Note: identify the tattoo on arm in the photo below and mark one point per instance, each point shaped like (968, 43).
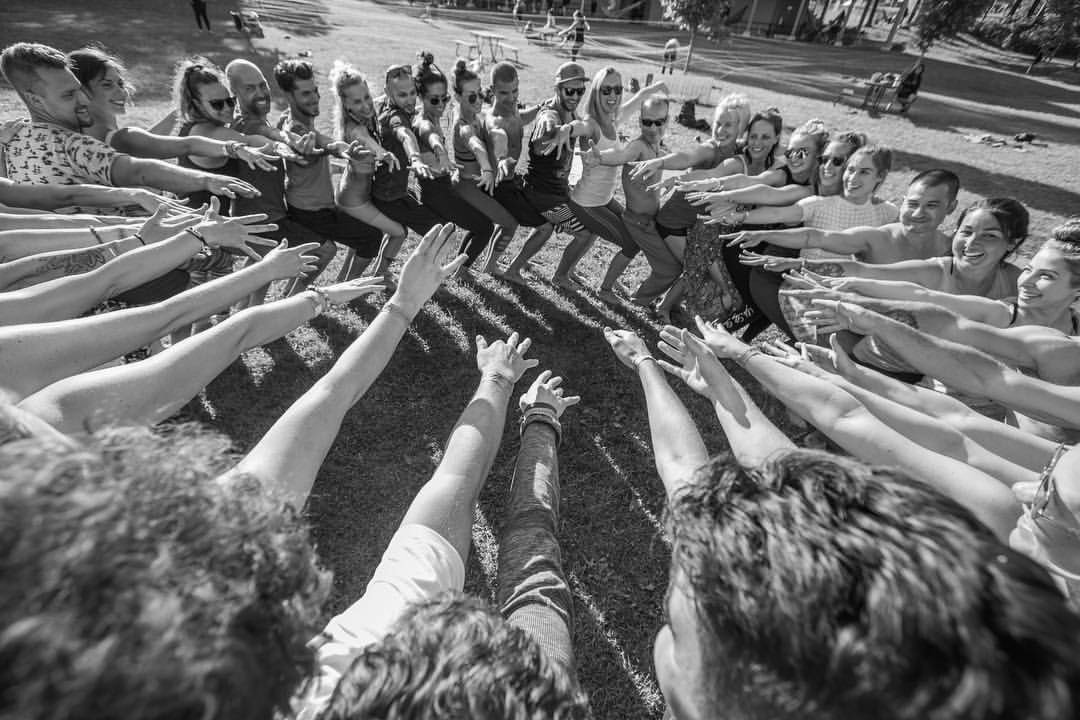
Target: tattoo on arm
(73, 264)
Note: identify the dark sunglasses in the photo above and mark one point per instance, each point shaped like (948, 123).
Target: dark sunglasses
(472, 97)
(437, 100)
(653, 123)
(574, 92)
(796, 153)
(609, 89)
(220, 103)
(834, 160)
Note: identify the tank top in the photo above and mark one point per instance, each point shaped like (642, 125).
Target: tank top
(597, 184)
(548, 173)
(202, 197)
(366, 165)
(464, 157)
(1002, 287)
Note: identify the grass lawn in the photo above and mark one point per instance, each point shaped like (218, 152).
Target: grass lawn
(613, 546)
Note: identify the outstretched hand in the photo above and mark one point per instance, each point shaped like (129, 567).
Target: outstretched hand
(151, 201)
(772, 263)
(628, 347)
(164, 224)
(545, 389)
(697, 366)
(644, 169)
(236, 233)
(434, 259)
(289, 262)
(799, 359)
(504, 358)
(720, 341)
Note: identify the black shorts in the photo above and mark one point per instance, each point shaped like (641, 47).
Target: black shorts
(511, 195)
(670, 55)
(341, 227)
(408, 212)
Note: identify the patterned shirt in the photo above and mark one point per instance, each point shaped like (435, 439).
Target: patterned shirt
(44, 153)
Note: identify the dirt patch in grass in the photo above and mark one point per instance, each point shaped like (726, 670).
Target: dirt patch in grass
(614, 550)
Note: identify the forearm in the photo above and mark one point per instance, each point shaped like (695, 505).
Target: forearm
(62, 263)
(289, 455)
(480, 151)
(16, 244)
(793, 238)
(53, 197)
(752, 436)
(767, 215)
(677, 445)
(408, 140)
(766, 195)
(140, 172)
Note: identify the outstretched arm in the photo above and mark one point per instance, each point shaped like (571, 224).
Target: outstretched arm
(39, 354)
(677, 445)
(148, 391)
(962, 367)
(752, 436)
(447, 502)
(849, 424)
(139, 172)
(633, 103)
(289, 455)
(53, 197)
(854, 241)
(755, 194)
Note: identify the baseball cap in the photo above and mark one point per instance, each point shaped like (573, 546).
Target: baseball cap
(569, 72)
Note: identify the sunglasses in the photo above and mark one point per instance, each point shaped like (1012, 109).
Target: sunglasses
(574, 92)
(220, 103)
(834, 160)
(796, 153)
(472, 97)
(437, 100)
(1046, 490)
(609, 89)
(645, 122)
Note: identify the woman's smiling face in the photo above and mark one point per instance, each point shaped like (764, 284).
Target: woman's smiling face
(761, 139)
(108, 95)
(979, 242)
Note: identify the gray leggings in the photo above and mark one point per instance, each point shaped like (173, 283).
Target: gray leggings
(606, 221)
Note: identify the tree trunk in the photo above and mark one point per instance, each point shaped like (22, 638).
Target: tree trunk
(750, 19)
(798, 20)
(1012, 10)
(824, 10)
(865, 12)
(690, 49)
(896, 23)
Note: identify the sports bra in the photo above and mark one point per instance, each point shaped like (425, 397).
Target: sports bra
(597, 184)
(1015, 310)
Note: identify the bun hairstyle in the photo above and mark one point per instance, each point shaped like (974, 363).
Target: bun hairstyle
(816, 131)
(191, 74)
(1011, 216)
(342, 77)
(462, 74)
(426, 73)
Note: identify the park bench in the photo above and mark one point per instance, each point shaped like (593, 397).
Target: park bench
(691, 87)
(471, 46)
(505, 48)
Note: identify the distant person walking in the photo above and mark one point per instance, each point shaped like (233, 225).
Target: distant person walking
(576, 33)
(199, 6)
(671, 52)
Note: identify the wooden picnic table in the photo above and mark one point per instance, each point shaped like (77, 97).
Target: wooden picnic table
(875, 92)
(492, 40)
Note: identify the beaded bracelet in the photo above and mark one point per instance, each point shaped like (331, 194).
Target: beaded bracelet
(198, 236)
(640, 359)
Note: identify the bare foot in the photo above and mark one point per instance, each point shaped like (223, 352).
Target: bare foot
(609, 296)
(511, 277)
(566, 283)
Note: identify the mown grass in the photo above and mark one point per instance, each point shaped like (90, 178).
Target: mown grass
(614, 551)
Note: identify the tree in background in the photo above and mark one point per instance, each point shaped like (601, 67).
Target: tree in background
(946, 18)
(708, 17)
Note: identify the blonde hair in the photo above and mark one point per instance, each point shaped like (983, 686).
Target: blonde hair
(342, 77)
(738, 105)
(813, 130)
(592, 107)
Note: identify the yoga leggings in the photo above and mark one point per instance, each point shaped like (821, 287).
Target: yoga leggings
(606, 221)
(439, 195)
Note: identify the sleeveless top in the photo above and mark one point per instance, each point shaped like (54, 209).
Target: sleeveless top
(365, 166)
(230, 168)
(597, 184)
(464, 157)
(548, 173)
(1002, 287)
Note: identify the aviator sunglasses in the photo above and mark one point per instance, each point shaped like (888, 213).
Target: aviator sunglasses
(834, 160)
(645, 122)
(574, 92)
(220, 103)
(796, 153)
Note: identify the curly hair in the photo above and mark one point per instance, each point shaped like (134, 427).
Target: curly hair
(139, 585)
(827, 589)
(455, 657)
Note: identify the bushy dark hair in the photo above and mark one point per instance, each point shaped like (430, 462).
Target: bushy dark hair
(451, 658)
(1011, 216)
(19, 64)
(426, 73)
(826, 589)
(287, 72)
(138, 585)
(1065, 238)
(936, 178)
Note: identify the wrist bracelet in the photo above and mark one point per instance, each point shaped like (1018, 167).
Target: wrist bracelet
(96, 234)
(640, 359)
(232, 149)
(198, 236)
(322, 300)
(139, 237)
(540, 404)
(549, 420)
(392, 309)
(746, 354)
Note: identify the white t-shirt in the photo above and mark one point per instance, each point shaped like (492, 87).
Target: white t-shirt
(834, 213)
(418, 565)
